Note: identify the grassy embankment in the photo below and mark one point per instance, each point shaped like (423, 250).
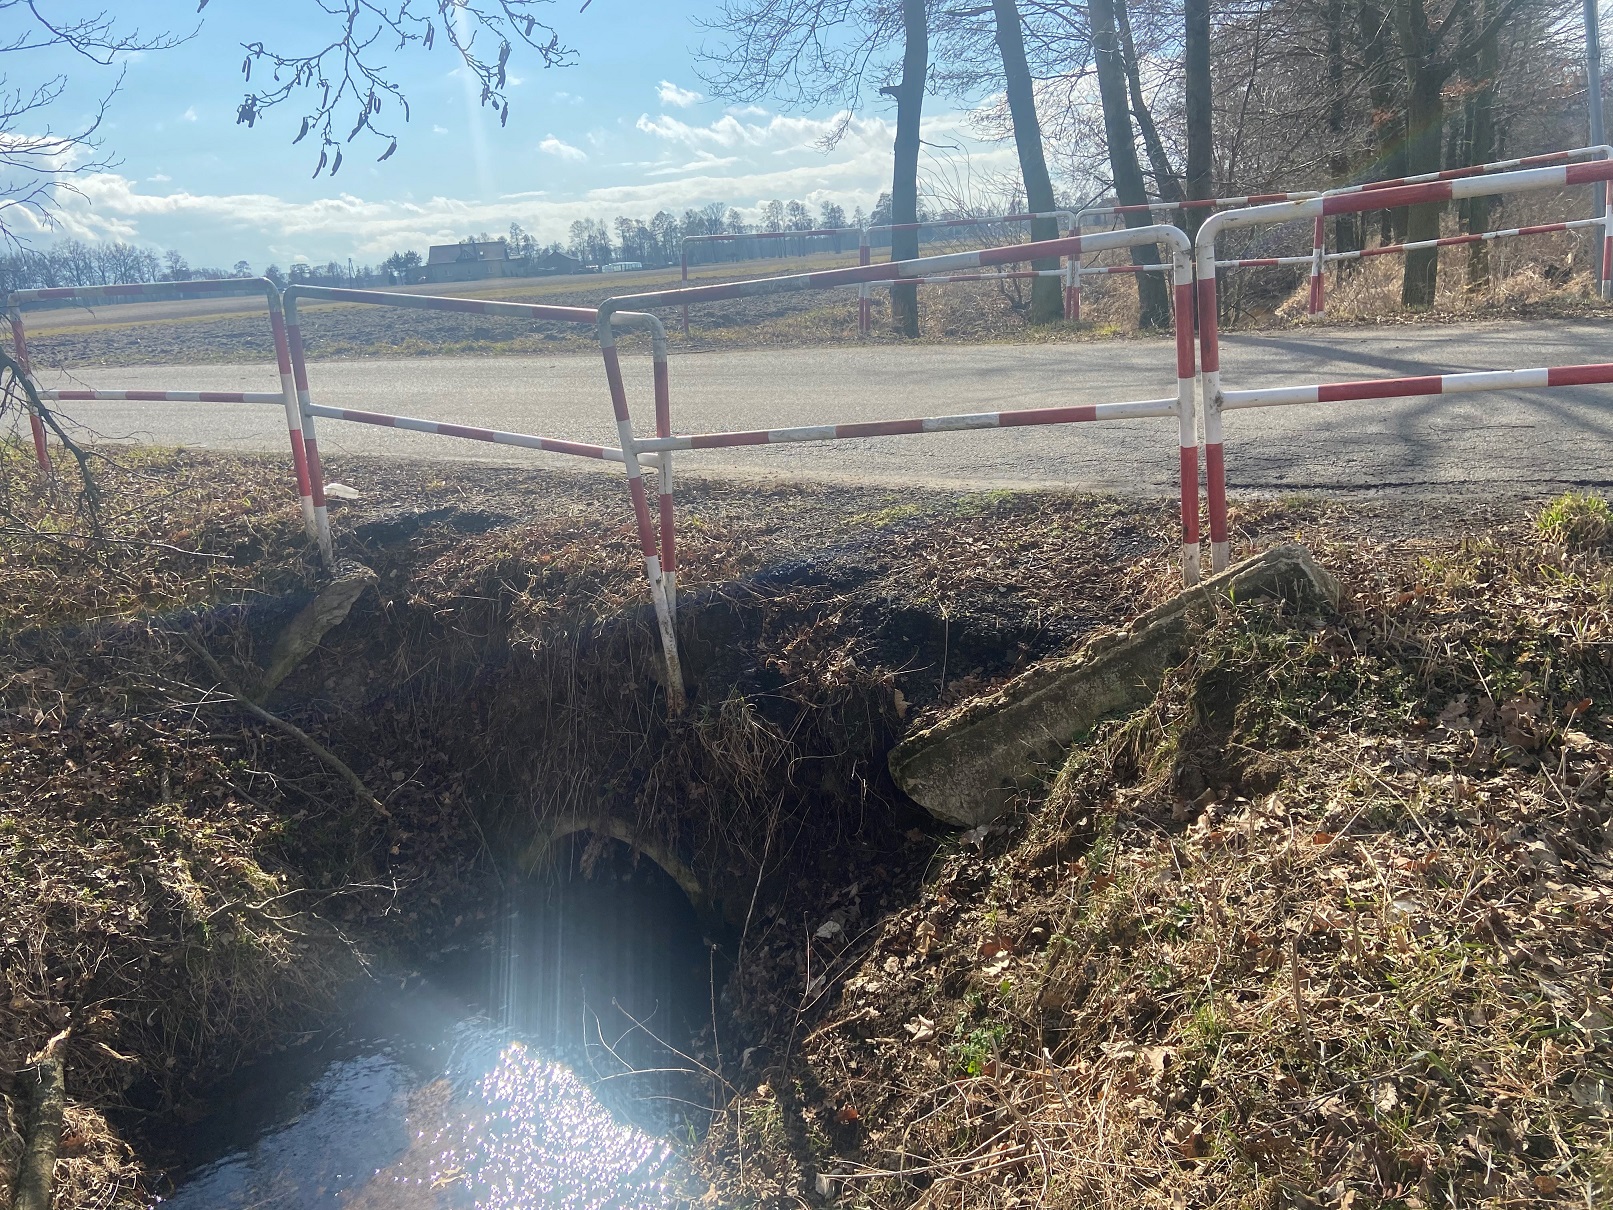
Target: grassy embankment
(1331, 920)
(1328, 924)
(188, 884)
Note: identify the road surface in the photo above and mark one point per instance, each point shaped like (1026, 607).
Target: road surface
(1487, 442)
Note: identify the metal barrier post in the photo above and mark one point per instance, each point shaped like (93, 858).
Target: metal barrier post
(865, 303)
(934, 269)
(659, 599)
(1452, 187)
(1318, 259)
(154, 290)
(19, 345)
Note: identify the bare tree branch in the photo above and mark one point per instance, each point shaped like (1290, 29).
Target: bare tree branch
(349, 82)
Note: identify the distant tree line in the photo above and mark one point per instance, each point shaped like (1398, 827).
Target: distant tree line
(594, 242)
(74, 262)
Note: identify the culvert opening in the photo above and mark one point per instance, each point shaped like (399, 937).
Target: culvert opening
(604, 963)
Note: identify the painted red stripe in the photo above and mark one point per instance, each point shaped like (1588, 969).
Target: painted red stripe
(663, 401)
(1379, 388)
(1030, 416)
(1257, 263)
(277, 331)
(1261, 199)
(299, 359)
(1584, 174)
(669, 558)
(719, 441)
(380, 418)
(1190, 495)
(1215, 484)
(299, 463)
(1184, 330)
(316, 472)
(1209, 330)
(1552, 157)
(618, 391)
(641, 513)
(460, 430)
(1577, 376)
(1388, 199)
(572, 447)
(879, 428)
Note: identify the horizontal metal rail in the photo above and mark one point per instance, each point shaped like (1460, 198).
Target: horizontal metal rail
(1215, 400)
(1416, 387)
(18, 300)
(958, 423)
(467, 432)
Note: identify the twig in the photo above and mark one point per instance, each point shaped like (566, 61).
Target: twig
(334, 762)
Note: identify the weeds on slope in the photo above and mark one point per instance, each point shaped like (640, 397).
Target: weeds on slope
(1327, 925)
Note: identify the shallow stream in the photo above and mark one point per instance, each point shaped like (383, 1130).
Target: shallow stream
(535, 1068)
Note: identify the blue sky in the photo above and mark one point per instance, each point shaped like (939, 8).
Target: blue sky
(626, 131)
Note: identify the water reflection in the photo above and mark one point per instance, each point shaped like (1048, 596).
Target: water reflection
(462, 1090)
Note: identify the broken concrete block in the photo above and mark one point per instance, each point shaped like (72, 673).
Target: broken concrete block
(304, 632)
(966, 768)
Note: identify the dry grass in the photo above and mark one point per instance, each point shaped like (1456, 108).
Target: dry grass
(1329, 924)
(1528, 275)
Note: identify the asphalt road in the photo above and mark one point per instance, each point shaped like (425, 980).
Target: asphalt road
(1486, 443)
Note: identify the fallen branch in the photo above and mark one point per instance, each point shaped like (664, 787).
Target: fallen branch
(48, 1104)
(330, 759)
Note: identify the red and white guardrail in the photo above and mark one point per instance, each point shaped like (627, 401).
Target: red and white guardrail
(865, 250)
(661, 561)
(156, 291)
(1215, 400)
(308, 410)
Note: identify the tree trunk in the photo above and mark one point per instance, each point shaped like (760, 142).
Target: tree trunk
(1153, 309)
(1425, 113)
(1482, 148)
(1166, 183)
(1382, 61)
(1346, 227)
(1200, 134)
(1047, 297)
(1425, 126)
(905, 179)
(48, 1103)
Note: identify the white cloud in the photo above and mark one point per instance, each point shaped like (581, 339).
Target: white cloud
(682, 98)
(730, 161)
(439, 129)
(562, 150)
(190, 114)
(159, 178)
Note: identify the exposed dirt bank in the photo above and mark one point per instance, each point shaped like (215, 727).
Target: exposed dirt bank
(188, 883)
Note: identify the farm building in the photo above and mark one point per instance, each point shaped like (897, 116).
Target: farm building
(469, 261)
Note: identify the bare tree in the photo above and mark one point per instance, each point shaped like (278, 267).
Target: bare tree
(39, 159)
(833, 52)
(1153, 301)
(343, 80)
(1434, 50)
(1045, 295)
